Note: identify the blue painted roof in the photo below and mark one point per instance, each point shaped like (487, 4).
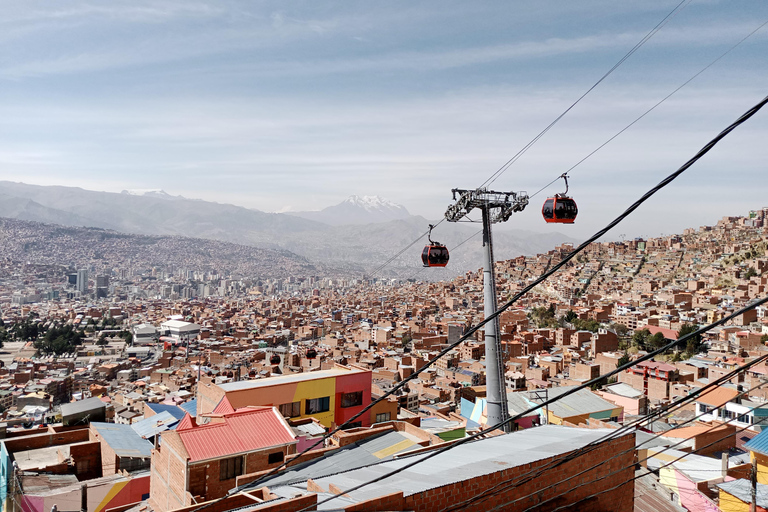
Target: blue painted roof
(174, 410)
(759, 443)
(150, 427)
(190, 407)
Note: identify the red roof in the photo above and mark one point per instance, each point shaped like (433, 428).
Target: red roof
(245, 430)
(669, 334)
(223, 407)
(186, 422)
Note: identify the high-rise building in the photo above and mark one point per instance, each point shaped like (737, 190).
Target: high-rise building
(82, 280)
(102, 286)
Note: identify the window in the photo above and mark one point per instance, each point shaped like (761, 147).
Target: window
(291, 410)
(275, 457)
(384, 416)
(316, 405)
(230, 468)
(352, 399)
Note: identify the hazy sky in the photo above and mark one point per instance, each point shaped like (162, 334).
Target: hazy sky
(297, 105)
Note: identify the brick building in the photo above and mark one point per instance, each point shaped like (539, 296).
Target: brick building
(197, 463)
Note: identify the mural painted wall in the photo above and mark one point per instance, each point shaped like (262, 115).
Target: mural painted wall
(102, 495)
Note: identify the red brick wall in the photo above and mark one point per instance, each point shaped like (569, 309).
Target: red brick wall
(566, 490)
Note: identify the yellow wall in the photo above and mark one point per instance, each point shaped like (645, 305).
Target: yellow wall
(762, 467)
(730, 503)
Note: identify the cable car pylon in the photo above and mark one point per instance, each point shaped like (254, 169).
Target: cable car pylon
(495, 207)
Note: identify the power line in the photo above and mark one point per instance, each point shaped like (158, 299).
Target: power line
(547, 402)
(708, 147)
(643, 460)
(743, 118)
(613, 434)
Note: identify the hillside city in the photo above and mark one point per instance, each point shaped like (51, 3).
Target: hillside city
(160, 373)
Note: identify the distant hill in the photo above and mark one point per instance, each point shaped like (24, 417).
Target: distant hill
(357, 210)
(356, 248)
(37, 243)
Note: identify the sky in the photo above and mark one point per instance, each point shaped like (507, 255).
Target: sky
(283, 106)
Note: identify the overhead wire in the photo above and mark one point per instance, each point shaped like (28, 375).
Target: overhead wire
(581, 452)
(663, 183)
(678, 459)
(665, 98)
(637, 46)
(571, 391)
(711, 144)
(533, 141)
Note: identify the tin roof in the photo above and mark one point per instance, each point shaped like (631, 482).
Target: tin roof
(123, 440)
(245, 430)
(759, 443)
(461, 463)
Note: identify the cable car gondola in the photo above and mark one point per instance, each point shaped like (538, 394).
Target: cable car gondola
(434, 254)
(311, 353)
(560, 209)
(275, 359)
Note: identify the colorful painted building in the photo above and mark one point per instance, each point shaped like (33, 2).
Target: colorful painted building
(331, 396)
(98, 495)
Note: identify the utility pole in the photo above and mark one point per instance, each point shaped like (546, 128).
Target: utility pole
(753, 478)
(495, 207)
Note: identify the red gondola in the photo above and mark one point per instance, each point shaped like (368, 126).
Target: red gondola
(435, 254)
(311, 353)
(560, 209)
(275, 359)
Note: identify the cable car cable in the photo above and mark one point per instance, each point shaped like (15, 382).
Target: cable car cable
(525, 148)
(665, 98)
(703, 151)
(637, 46)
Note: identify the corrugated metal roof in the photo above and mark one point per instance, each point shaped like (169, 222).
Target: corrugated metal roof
(190, 407)
(81, 406)
(150, 427)
(462, 463)
(649, 496)
(356, 455)
(173, 410)
(243, 431)
(742, 489)
(759, 443)
(123, 440)
(581, 402)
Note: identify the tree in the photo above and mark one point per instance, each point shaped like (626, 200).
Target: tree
(694, 345)
(624, 359)
(764, 338)
(656, 340)
(640, 338)
(570, 316)
(750, 273)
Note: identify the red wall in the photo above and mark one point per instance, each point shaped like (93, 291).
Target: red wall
(348, 384)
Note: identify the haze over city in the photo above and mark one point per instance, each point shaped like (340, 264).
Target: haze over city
(294, 256)
(296, 107)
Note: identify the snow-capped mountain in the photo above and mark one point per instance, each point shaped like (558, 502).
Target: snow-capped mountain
(156, 193)
(357, 210)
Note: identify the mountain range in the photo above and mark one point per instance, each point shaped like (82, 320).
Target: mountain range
(318, 236)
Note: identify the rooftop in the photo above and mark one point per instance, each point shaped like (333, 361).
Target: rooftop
(288, 379)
